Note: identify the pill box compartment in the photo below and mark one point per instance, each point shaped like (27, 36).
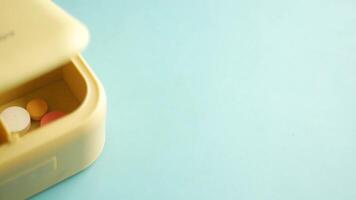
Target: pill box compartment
(46, 155)
(64, 89)
(40, 59)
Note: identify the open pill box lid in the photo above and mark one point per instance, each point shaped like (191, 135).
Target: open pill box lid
(36, 36)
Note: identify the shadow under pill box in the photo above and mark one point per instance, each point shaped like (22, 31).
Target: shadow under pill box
(52, 106)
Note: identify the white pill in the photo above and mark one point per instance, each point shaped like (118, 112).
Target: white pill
(16, 119)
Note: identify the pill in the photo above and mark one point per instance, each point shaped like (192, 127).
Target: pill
(51, 116)
(16, 119)
(37, 108)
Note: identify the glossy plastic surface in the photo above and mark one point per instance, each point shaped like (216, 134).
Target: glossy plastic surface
(36, 36)
(39, 58)
(35, 160)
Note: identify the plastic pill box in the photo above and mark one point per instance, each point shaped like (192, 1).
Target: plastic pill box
(40, 47)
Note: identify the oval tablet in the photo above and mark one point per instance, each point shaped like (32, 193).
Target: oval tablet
(37, 108)
(16, 119)
(51, 116)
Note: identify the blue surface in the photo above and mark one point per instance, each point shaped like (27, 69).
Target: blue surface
(222, 99)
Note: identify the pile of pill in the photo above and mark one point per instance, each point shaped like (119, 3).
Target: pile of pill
(18, 119)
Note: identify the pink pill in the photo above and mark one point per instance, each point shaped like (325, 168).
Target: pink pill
(51, 116)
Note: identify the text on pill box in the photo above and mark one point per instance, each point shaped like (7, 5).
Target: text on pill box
(7, 35)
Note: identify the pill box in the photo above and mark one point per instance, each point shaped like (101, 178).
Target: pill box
(40, 47)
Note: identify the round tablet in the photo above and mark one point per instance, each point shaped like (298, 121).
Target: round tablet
(37, 108)
(16, 119)
(51, 116)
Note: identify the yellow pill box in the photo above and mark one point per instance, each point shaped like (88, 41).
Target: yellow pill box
(39, 58)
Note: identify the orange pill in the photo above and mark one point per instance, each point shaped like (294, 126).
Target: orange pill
(50, 117)
(37, 108)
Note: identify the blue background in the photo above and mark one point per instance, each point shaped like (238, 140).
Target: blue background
(222, 99)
